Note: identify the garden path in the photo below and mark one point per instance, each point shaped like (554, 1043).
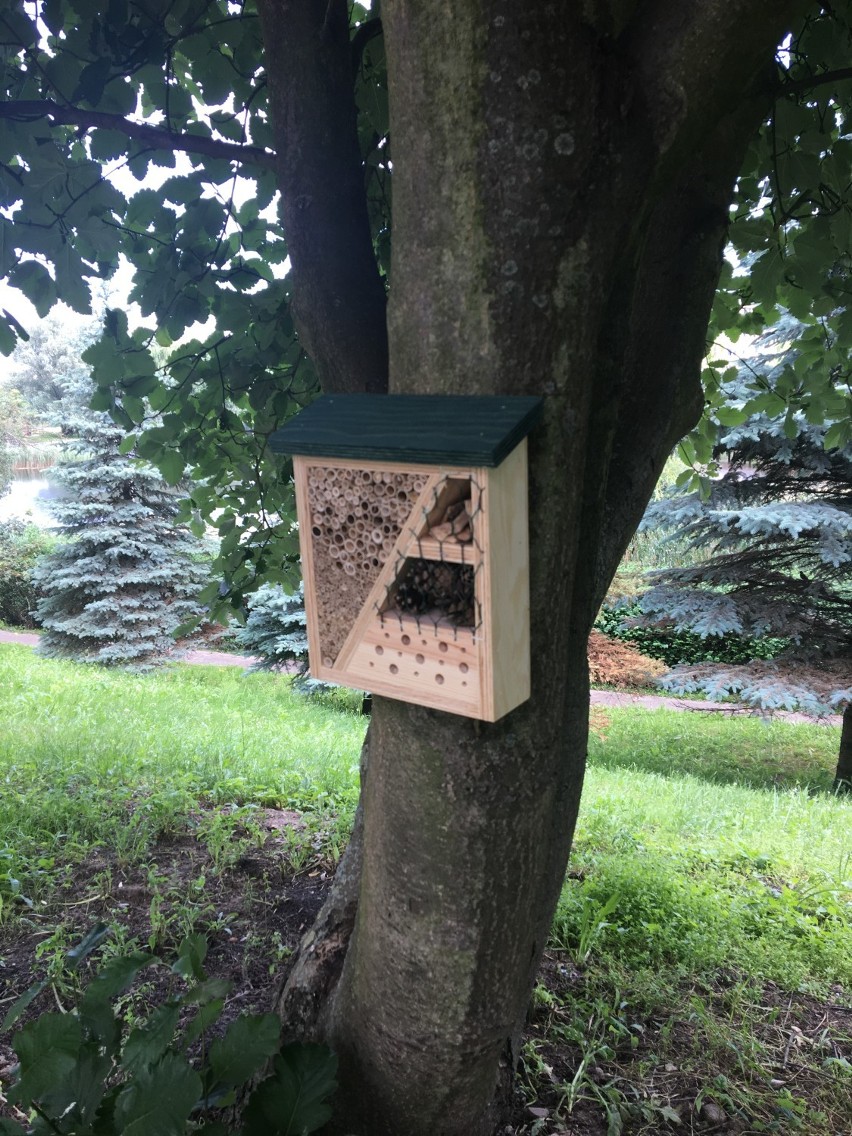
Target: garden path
(598, 697)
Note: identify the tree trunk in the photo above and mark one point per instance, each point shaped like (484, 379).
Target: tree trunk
(338, 301)
(562, 177)
(843, 774)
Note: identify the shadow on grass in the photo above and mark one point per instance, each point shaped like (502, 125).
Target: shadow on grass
(750, 752)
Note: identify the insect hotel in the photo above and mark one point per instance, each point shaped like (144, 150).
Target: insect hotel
(414, 539)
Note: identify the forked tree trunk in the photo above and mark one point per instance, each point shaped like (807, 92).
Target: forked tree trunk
(843, 774)
(562, 175)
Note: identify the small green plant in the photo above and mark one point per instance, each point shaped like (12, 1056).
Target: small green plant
(80, 1074)
(593, 922)
(228, 833)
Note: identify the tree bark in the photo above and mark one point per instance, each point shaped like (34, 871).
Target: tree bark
(561, 182)
(843, 774)
(338, 302)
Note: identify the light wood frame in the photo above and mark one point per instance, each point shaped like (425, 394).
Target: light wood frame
(481, 672)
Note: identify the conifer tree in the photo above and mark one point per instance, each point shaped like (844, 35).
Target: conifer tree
(775, 537)
(123, 579)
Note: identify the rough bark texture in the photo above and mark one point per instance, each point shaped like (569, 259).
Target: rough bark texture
(843, 775)
(338, 302)
(561, 181)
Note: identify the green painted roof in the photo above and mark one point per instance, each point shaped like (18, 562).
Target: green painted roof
(464, 430)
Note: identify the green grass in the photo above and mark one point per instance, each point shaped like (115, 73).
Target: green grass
(709, 911)
(711, 866)
(90, 756)
(741, 750)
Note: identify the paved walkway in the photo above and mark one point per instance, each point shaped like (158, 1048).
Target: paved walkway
(205, 658)
(598, 697)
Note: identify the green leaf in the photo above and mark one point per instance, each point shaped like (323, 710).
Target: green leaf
(135, 408)
(21, 1003)
(47, 1049)
(206, 1016)
(171, 465)
(293, 1101)
(116, 975)
(210, 990)
(92, 81)
(89, 943)
(837, 435)
(147, 1044)
(191, 955)
(36, 283)
(248, 1043)
(8, 339)
(158, 1100)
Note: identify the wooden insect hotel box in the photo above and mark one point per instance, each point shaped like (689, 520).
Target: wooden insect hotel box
(413, 526)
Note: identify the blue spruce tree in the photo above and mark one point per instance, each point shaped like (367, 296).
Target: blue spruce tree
(124, 577)
(774, 539)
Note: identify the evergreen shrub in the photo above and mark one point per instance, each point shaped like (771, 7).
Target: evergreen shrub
(21, 545)
(675, 646)
(123, 581)
(275, 632)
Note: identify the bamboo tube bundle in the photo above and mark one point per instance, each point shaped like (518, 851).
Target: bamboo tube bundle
(356, 516)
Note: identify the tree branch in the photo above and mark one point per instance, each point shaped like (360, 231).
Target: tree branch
(678, 52)
(338, 298)
(155, 136)
(795, 86)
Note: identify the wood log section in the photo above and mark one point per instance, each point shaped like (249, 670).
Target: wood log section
(434, 586)
(454, 523)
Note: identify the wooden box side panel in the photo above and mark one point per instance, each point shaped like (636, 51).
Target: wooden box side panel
(300, 467)
(505, 585)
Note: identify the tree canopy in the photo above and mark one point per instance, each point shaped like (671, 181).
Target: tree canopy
(143, 132)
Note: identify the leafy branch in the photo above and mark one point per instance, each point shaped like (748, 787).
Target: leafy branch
(26, 110)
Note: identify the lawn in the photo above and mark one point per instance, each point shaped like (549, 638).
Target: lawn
(699, 977)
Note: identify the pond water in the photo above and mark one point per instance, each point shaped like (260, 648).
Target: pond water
(27, 499)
